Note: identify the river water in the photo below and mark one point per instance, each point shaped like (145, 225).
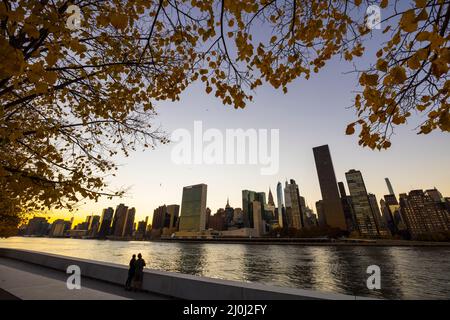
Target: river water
(406, 272)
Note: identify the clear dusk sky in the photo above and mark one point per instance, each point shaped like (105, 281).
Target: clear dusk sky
(313, 112)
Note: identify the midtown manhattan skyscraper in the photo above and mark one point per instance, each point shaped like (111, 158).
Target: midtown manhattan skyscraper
(280, 204)
(389, 186)
(363, 211)
(193, 208)
(331, 206)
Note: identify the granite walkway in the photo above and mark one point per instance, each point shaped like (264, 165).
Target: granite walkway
(26, 281)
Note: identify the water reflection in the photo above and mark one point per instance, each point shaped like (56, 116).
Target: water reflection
(406, 272)
(190, 258)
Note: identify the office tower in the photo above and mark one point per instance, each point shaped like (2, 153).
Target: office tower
(320, 214)
(380, 223)
(57, 228)
(93, 223)
(389, 186)
(120, 217)
(435, 194)
(229, 213)
(257, 216)
(193, 208)
(294, 213)
(160, 216)
(363, 212)
(173, 211)
(238, 217)
(310, 217)
(129, 223)
(37, 226)
(247, 207)
(331, 205)
(105, 224)
(270, 214)
(248, 197)
(68, 225)
(423, 215)
(347, 206)
(270, 202)
(141, 229)
(280, 204)
(217, 222)
(387, 217)
(208, 215)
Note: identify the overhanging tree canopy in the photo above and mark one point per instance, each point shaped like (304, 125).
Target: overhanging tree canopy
(71, 99)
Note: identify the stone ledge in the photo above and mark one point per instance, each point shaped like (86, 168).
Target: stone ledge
(180, 286)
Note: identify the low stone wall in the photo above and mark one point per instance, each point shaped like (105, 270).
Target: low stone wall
(171, 284)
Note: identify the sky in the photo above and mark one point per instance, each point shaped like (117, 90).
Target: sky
(313, 112)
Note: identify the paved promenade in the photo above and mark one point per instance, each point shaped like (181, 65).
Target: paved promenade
(21, 280)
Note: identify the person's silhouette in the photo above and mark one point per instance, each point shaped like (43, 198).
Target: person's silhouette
(139, 273)
(131, 272)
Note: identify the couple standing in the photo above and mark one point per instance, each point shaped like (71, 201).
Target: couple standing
(135, 273)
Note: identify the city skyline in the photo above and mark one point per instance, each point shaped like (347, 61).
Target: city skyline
(238, 203)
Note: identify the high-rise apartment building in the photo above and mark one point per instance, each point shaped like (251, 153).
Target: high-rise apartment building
(120, 218)
(361, 205)
(422, 214)
(129, 223)
(105, 223)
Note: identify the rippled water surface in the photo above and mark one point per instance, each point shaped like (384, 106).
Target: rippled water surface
(406, 272)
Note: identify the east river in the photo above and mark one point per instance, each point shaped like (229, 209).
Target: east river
(406, 272)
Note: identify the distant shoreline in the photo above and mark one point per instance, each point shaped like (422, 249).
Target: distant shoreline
(376, 243)
(287, 241)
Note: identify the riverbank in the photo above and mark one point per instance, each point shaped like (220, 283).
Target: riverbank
(313, 242)
(279, 241)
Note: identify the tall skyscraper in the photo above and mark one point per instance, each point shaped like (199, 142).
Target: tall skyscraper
(105, 223)
(331, 205)
(129, 223)
(173, 210)
(120, 217)
(294, 213)
(379, 221)
(229, 213)
(320, 214)
(257, 216)
(165, 219)
(347, 206)
(423, 215)
(363, 211)
(193, 208)
(270, 202)
(280, 204)
(93, 225)
(389, 186)
(248, 197)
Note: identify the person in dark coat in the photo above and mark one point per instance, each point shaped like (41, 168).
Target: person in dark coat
(139, 273)
(131, 272)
